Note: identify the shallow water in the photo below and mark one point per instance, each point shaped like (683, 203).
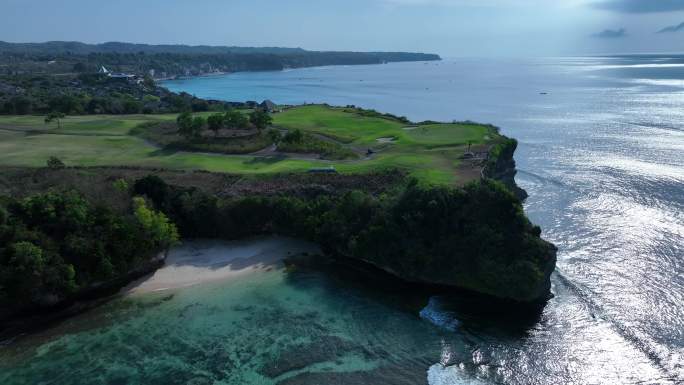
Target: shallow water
(601, 156)
(270, 326)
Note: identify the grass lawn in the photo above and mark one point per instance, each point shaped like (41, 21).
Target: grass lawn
(336, 123)
(430, 152)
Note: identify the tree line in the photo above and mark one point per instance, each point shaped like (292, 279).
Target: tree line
(476, 237)
(95, 94)
(191, 127)
(56, 244)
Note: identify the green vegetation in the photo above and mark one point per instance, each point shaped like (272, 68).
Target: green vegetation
(296, 141)
(178, 60)
(430, 152)
(358, 127)
(236, 120)
(94, 94)
(55, 116)
(260, 119)
(476, 237)
(54, 245)
(213, 134)
(442, 225)
(342, 124)
(54, 163)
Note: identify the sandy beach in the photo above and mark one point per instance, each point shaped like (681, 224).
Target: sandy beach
(199, 261)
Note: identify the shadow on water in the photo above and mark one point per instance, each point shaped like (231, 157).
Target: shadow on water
(476, 313)
(235, 264)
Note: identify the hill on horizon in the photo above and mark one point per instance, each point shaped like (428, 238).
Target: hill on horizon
(79, 48)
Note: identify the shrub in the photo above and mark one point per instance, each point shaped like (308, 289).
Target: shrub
(215, 123)
(260, 119)
(121, 185)
(298, 142)
(155, 224)
(54, 163)
(154, 188)
(56, 243)
(274, 135)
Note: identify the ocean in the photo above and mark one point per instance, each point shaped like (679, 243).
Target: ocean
(602, 157)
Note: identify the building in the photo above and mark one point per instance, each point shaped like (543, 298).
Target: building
(268, 106)
(119, 75)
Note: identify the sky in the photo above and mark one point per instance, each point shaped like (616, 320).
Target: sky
(450, 28)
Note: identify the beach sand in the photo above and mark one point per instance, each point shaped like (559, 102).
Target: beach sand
(199, 261)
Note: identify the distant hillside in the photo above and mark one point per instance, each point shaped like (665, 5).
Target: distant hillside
(176, 60)
(78, 48)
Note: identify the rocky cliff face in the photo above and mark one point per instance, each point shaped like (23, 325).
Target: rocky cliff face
(501, 167)
(475, 238)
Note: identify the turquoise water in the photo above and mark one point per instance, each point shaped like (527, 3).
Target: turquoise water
(601, 157)
(280, 326)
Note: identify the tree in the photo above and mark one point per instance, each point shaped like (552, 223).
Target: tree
(260, 119)
(27, 258)
(121, 185)
(3, 216)
(235, 120)
(148, 81)
(155, 224)
(19, 105)
(184, 122)
(294, 136)
(131, 106)
(197, 124)
(54, 163)
(80, 67)
(67, 104)
(215, 123)
(55, 116)
(154, 188)
(25, 268)
(199, 105)
(274, 135)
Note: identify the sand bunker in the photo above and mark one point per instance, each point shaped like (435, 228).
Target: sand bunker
(386, 140)
(196, 262)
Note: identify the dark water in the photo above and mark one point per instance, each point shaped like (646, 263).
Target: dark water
(602, 157)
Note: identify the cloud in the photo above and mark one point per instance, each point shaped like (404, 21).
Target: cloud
(640, 6)
(672, 28)
(611, 34)
(486, 3)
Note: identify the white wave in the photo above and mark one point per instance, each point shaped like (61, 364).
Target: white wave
(621, 66)
(434, 313)
(679, 83)
(641, 167)
(439, 374)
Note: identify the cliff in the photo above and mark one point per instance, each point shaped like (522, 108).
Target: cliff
(500, 166)
(476, 238)
(16, 321)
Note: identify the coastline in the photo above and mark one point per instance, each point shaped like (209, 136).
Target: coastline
(192, 263)
(225, 73)
(21, 323)
(203, 261)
